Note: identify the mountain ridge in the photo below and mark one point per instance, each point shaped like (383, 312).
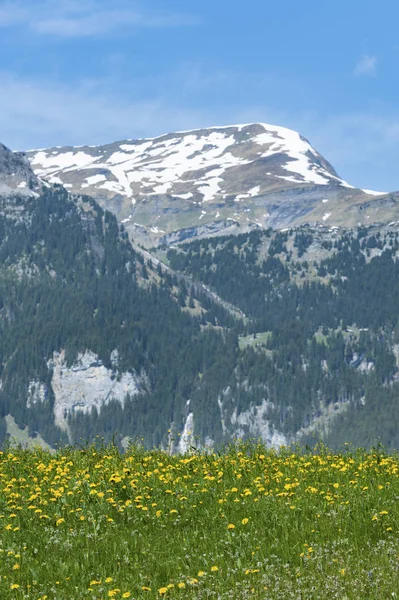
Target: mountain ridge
(253, 175)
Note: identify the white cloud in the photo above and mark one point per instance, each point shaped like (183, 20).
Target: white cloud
(36, 113)
(367, 65)
(86, 18)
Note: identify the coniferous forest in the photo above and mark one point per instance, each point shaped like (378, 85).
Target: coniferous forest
(299, 327)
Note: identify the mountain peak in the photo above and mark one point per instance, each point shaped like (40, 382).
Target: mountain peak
(16, 175)
(255, 175)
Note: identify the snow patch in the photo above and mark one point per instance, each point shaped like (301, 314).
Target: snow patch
(93, 179)
(373, 193)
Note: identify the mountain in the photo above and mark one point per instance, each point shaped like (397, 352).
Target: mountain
(94, 338)
(319, 354)
(211, 181)
(16, 175)
(282, 335)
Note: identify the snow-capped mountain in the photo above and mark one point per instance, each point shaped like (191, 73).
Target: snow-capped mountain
(208, 180)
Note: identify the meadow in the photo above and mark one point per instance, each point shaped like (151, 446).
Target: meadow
(248, 522)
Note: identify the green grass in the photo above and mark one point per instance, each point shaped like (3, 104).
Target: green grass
(20, 437)
(246, 523)
(250, 340)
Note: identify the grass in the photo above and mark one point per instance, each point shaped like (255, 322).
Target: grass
(249, 340)
(20, 437)
(247, 523)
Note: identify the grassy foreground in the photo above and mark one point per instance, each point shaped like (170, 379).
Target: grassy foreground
(247, 523)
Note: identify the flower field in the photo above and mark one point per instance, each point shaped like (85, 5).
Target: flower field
(245, 523)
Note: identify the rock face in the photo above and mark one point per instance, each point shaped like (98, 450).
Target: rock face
(16, 175)
(87, 384)
(240, 176)
(254, 422)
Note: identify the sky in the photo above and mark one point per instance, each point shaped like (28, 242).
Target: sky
(75, 72)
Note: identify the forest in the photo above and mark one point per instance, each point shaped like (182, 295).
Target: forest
(291, 323)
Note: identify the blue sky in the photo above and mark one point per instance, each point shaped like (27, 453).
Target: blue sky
(95, 71)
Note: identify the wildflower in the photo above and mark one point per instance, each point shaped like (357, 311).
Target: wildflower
(231, 526)
(14, 586)
(245, 521)
(126, 595)
(181, 585)
(162, 591)
(214, 568)
(201, 573)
